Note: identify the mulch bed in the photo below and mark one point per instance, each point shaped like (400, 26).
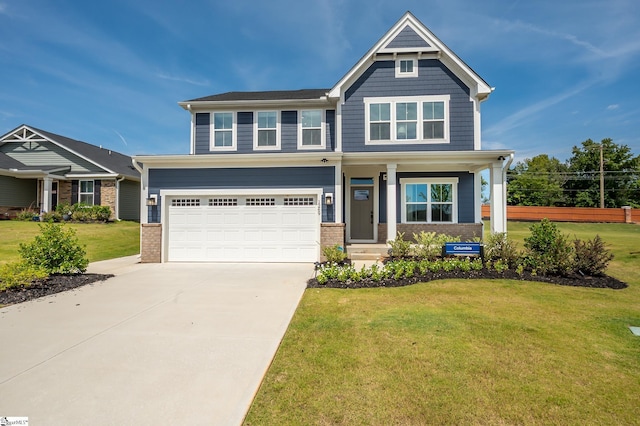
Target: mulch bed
(51, 285)
(603, 281)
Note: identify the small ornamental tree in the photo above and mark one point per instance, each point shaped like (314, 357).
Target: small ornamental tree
(56, 250)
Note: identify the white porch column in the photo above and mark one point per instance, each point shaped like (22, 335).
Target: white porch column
(391, 201)
(46, 194)
(477, 182)
(337, 197)
(498, 198)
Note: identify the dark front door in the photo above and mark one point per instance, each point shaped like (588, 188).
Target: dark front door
(54, 195)
(361, 213)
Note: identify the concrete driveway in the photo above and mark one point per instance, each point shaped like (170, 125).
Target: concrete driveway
(157, 344)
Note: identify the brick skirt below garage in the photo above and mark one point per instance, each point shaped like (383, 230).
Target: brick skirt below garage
(466, 231)
(151, 242)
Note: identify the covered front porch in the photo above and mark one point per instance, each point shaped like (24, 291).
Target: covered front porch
(387, 193)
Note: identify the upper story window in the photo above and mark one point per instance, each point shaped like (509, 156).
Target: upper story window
(415, 119)
(223, 132)
(311, 129)
(85, 192)
(406, 67)
(429, 200)
(266, 130)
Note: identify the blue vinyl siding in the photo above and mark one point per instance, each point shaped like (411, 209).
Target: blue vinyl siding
(245, 132)
(244, 126)
(466, 204)
(289, 131)
(407, 38)
(433, 79)
(202, 133)
(242, 178)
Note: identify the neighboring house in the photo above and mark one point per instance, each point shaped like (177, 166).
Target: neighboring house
(39, 170)
(394, 146)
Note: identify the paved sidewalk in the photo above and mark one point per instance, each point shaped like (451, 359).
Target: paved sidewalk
(156, 344)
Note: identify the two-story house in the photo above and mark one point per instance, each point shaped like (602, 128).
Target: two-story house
(393, 146)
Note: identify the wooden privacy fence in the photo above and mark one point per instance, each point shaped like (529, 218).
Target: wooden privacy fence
(569, 214)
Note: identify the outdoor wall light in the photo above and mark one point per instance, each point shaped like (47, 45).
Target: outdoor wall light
(328, 198)
(152, 200)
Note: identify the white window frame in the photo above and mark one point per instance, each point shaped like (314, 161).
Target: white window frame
(92, 193)
(234, 132)
(405, 74)
(429, 181)
(419, 130)
(323, 137)
(256, 130)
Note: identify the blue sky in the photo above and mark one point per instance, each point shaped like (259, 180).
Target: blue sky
(111, 73)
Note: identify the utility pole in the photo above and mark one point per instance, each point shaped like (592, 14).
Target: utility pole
(601, 177)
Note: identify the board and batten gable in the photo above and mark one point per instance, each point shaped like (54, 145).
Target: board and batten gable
(243, 178)
(38, 153)
(245, 129)
(434, 78)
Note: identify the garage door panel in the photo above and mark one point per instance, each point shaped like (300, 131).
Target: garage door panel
(243, 233)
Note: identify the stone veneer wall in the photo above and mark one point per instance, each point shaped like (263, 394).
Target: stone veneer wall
(466, 231)
(151, 236)
(330, 235)
(108, 195)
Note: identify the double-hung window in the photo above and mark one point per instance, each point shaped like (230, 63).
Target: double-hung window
(429, 200)
(85, 192)
(311, 129)
(412, 120)
(223, 131)
(406, 120)
(380, 121)
(266, 130)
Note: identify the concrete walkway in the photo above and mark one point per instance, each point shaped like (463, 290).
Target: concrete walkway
(157, 344)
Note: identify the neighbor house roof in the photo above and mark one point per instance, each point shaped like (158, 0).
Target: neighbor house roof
(107, 159)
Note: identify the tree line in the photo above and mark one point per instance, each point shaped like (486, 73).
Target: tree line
(594, 170)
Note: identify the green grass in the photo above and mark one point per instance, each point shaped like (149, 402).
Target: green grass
(464, 351)
(102, 240)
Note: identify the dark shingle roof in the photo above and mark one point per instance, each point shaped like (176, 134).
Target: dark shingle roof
(274, 95)
(112, 160)
(7, 162)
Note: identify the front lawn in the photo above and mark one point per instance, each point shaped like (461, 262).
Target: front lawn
(102, 240)
(464, 351)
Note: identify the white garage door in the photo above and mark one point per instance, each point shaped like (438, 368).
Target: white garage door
(243, 229)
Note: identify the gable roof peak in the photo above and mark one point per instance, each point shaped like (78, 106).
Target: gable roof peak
(410, 36)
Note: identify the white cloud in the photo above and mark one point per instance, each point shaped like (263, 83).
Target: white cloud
(613, 107)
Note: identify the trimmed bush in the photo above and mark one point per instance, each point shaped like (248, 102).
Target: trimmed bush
(429, 244)
(591, 256)
(334, 253)
(399, 247)
(56, 250)
(499, 246)
(548, 250)
(20, 273)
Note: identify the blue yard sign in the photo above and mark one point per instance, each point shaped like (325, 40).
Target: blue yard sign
(462, 249)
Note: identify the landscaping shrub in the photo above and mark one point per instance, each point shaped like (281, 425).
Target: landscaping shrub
(83, 213)
(399, 247)
(591, 257)
(25, 215)
(334, 253)
(20, 273)
(429, 244)
(52, 216)
(499, 246)
(548, 250)
(56, 250)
